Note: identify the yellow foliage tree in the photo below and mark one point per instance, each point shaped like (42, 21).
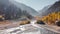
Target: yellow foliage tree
(51, 18)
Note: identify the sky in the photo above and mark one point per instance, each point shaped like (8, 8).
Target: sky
(37, 4)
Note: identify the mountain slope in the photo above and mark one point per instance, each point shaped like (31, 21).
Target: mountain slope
(24, 7)
(13, 10)
(53, 8)
(43, 11)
